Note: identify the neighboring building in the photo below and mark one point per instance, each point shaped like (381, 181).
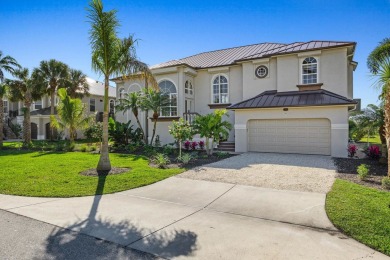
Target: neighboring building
(40, 110)
(287, 98)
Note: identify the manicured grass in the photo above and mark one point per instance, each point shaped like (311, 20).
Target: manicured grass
(362, 213)
(372, 140)
(56, 174)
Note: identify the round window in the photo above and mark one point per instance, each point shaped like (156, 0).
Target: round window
(261, 72)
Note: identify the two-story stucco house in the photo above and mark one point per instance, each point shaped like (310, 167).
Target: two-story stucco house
(285, 98)
(40, 110)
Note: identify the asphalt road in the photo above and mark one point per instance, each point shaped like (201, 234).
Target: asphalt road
(25, 238)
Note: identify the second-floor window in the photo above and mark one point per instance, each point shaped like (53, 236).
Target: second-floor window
(169, 89)
(38, 104)
(92, 106)
(220, 90)
(309, 71)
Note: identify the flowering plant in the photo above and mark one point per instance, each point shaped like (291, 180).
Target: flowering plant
(187, 145)
(352, 149)
(201, 145)
(373, 152)
(194, 145)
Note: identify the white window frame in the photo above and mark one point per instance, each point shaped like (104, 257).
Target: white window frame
(40, 103)
(94, 105)
(5, 106)
(219, 89)
(301, 75)
(189, 87)
(171, 95)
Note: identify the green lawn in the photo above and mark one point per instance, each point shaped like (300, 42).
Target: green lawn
(53, 174)
(362, 213)
(372, 140)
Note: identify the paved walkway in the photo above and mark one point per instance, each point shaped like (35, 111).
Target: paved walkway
(182, 218)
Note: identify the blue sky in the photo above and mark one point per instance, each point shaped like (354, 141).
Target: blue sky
(32, 31)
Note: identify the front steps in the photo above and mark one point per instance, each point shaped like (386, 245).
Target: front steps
(226, 146)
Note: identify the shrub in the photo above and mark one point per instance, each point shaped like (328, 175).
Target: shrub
(161, 160)
(187, 145)
(70, 146)
(94, 131)
(352, 149)
(93, 148)
(386, 183)
(201, 145)
(221, 154)
(168, 149)
(149, 150)
(185, 158)
(363, 171)
(83, 148)
(194, 145)
(373, 152)
(59, 147)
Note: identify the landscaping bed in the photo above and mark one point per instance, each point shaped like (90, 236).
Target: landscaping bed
(347, 170)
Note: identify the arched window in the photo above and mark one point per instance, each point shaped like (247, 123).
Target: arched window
(309, 70)
(169, 89)
(122, 93)
(112, 106)
(220, 90)
(188, 89)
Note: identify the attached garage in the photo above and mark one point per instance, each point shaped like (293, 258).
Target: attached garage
(304, 136)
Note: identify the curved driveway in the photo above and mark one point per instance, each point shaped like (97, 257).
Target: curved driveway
(181, 218)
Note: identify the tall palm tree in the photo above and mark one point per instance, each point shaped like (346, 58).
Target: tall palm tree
(376, 57)
(382, 75)
(71, 114)
(7, 64)
(111, 56)
(51, 75)
(76, 85)
(26, 90)
(153, 100)
(131, 102)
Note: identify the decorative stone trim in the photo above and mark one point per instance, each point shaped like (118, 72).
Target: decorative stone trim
(165, 118)
(217, 106)
(307, 87)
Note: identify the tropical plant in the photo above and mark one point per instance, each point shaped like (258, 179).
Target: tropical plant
(110, 57)
(76, 85)
(153, 100)
(378, 56)
(212, 126)
(161, 160)
(131, 102)
(363, 171)
(369, 121)
(122, 133)
(71, 115)
(24, 89)
(7, 64)
(181, 130)
(51, 75)
(185, 158)
(373, 152)
(201, 145)
(94, 131)
(352, 149)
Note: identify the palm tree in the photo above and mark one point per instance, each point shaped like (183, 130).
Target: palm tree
(382, 75)
(376, 57)
(371, 119)
(26, 90)
(111, 56)
(70, 114)
(51, 75)
(153, 100)
(7, 64)
(131, 102)
(76, 85)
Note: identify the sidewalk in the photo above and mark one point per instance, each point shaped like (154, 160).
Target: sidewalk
(182, 218)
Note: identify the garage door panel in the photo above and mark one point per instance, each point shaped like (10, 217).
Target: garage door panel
(308, 136)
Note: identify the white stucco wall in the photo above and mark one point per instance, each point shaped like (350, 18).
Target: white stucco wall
(338, 116)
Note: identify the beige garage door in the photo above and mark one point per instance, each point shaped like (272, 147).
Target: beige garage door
(306, 136)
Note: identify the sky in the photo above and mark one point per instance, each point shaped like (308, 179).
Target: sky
(32, 31)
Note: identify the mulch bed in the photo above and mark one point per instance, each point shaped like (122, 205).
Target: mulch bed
(194, 162)
(346, 170)
(94, 173)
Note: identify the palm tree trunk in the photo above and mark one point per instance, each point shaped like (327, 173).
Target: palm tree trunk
(27, 125)
(387, 128)
(139, 125)
(52, 101)
(154, 131)
(104, 161)
(1, 122)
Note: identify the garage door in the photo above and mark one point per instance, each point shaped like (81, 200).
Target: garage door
(306, 136)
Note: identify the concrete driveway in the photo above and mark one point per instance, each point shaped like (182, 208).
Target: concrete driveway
(181, 218)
